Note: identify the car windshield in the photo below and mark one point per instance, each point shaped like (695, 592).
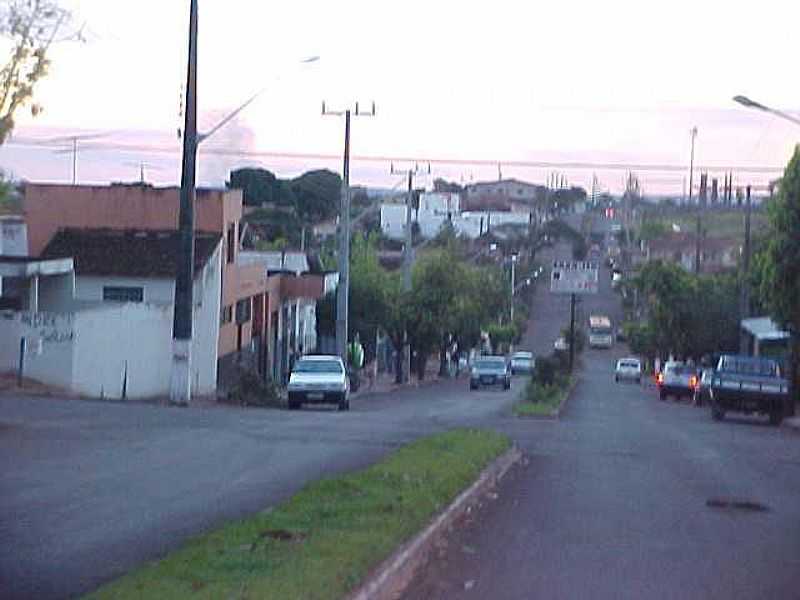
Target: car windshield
(601, 330)
(523, 355)
(318, 366)
(680, 370)
(629, 363)
(745, 366)
(490, 363)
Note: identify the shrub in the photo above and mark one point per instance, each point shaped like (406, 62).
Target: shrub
(545, 372)
(251, 390)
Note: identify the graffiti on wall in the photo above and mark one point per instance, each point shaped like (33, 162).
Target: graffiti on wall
(51, 328)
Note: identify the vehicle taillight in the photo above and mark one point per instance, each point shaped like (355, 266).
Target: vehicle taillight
(693, 382)
(660, 378)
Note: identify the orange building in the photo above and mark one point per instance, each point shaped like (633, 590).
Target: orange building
(250, 304)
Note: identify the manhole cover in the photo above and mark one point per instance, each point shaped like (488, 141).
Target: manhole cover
(736, 504)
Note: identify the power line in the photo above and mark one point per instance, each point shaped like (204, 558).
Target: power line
(578, 165)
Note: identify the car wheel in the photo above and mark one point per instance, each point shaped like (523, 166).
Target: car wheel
(616, 379)
(507, 385)
(344, 404)
(473, 386)
(717, 413)
(639, 380)
(775, 417)
(662, 396)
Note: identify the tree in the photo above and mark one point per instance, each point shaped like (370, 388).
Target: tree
(442, 185)
(781, 265)
(368, 301)
(317, 195)
(260, 186)
(32, 26)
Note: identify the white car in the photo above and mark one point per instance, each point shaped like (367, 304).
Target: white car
(629, 369)
(320, 380)
(522, 362)
(561, 344)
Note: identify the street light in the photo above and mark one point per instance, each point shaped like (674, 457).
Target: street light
(513, 264)
(748, 103)
(201, 137)
(182, 322)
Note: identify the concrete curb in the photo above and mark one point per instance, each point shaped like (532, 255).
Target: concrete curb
(390, 579)
(557, 412)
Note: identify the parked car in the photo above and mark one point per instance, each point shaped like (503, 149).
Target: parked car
(677, 379)
(561, 344)
(320, 380)
(522, 363)
(628, 369)
(702, 390)
(490, 370)
(748, 385)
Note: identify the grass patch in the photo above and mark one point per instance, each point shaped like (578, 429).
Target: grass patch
(542, 400)
(323, 541)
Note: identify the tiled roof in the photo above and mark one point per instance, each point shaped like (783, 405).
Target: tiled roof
(127, 253)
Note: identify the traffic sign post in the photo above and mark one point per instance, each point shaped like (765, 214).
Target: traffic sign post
(574, 277)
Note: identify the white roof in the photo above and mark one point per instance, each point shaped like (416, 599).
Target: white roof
(295, 262)
(764, 328)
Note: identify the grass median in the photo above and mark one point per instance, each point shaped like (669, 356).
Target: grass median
(542, 400)
(323, 541)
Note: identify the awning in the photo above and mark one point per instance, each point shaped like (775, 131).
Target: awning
(764, 329)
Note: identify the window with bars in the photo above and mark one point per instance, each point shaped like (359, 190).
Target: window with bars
(119, 293)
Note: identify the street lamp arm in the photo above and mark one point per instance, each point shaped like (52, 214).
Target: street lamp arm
(201, 137)
(204, 136)
(747, 102)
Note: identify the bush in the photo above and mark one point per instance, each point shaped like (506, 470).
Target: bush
(251, 390)
(545, 372)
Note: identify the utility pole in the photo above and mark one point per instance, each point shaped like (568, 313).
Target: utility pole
(404, 371)
(691, 164)
(691, 183)
(744, 298)
(180, 384)
(513, 264)
(74, 160)
(343, 289)
(571, 332)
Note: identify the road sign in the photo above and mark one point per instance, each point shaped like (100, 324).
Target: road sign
(574, 277)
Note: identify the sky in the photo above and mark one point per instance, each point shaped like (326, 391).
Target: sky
(472, 83)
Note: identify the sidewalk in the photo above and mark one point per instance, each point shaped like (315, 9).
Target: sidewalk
(385, 383)
(792, 423)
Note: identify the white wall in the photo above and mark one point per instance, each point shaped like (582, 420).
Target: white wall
(50, 345)
(393, 220)
(89, 351)
(13, 236)
(443, 202)
(155, 290)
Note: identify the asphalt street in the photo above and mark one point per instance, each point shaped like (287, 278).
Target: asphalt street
(611, 502)
(630, 497)
(89, 490)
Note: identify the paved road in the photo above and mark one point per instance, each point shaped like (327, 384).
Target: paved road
(612, 503)
(89, 490)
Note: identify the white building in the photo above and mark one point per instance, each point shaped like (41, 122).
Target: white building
(13, 238)
(509, 188)
(444, 203)
(96, 313)
(393, 220)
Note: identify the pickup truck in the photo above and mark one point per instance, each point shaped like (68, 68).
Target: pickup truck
(748, 385)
